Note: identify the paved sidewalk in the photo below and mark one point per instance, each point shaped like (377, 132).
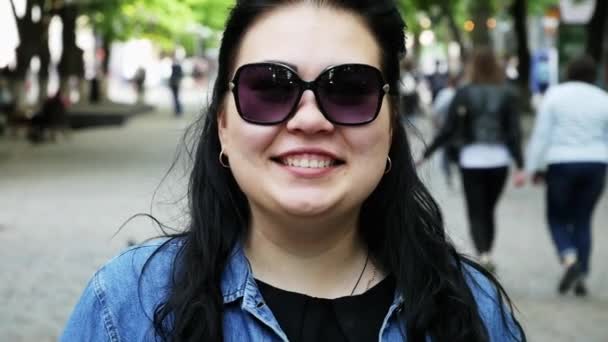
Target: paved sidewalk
(60, 205)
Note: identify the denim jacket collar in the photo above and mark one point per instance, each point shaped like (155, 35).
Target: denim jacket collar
(238, 276)
(238, 283)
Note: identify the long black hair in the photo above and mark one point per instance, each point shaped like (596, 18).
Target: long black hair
(400, 222)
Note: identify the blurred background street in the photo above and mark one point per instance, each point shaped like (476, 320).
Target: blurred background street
(95, 97)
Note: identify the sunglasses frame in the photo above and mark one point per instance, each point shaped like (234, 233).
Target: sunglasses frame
(312, 86)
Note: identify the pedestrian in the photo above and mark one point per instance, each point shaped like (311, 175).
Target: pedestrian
(408, 89)
(483, 125)
(175, 80)
(307, 219)
(570, 142)
(437, 80)
(51, 119)
(542, 74)
(441, 106)
(199, 71)
(139, 80)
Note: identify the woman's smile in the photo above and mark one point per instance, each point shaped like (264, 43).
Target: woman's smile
(308, 163)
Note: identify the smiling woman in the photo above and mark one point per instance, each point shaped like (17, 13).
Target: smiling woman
(308, 221)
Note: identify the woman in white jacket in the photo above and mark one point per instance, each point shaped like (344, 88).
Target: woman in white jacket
(570, 140)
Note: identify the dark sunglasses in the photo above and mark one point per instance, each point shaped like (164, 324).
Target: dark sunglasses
(347, 94)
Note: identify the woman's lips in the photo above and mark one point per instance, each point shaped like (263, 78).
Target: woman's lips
(308, 161)
(308, 164)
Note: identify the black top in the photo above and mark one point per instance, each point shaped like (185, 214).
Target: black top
(349, 319)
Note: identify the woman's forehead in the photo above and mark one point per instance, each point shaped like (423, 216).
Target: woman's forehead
(310, 38)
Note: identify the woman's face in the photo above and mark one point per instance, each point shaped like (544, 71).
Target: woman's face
(283, 169)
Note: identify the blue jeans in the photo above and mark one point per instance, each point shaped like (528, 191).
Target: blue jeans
(573, 190)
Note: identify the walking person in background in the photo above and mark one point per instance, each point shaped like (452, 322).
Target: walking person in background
(175, 81)
(437, 80)
(408, 90)
(441, 106)
(483, 123)
(139, 81)
(570, 139)
(307, 219)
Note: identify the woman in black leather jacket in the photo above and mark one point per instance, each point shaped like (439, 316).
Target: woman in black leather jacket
(483, 126)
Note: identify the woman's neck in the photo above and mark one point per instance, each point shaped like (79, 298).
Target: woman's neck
(320, 259)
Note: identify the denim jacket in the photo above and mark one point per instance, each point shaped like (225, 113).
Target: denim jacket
(116, 306)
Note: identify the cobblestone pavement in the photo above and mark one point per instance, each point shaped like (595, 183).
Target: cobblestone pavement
(62, 203)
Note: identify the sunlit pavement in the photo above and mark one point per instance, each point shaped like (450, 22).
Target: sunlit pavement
(61, 204)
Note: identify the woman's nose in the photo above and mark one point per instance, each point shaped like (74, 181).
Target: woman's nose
(308, 117)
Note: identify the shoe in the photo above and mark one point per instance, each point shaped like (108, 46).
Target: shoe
(570, 277)
(580, 290)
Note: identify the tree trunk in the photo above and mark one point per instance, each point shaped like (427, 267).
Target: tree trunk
(44, 54)
(24, 56)
(595, 30)
(106, 45)
(518, 12)
(33, 40)
(24, 53)
(481, 13)
(448, 11)
(71, 63)
(605, 56)
(103, 78)
(43, 90)
(19, 96)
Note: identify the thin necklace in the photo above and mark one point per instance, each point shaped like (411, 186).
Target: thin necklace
(372, 279)
(360, 275)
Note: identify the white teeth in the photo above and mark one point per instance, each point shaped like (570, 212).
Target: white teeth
(307, 163)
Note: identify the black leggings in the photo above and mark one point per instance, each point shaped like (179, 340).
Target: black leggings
(482, 188)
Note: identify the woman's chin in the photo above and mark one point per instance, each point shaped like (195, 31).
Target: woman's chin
(306, 212)
(305, 205)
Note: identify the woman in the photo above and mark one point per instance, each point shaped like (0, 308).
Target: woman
(483, 125)
(308, 222)
(571, 137)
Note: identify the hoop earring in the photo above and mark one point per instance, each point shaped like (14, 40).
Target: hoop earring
(221, 157)
(389, 165)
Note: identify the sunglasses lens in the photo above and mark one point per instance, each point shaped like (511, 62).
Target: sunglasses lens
(266, 93)
(350, 94)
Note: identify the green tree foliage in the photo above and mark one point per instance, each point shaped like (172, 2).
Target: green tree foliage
(462, 10)
(211, 13)
(168, 22)
(165, 22)
(538, 7)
